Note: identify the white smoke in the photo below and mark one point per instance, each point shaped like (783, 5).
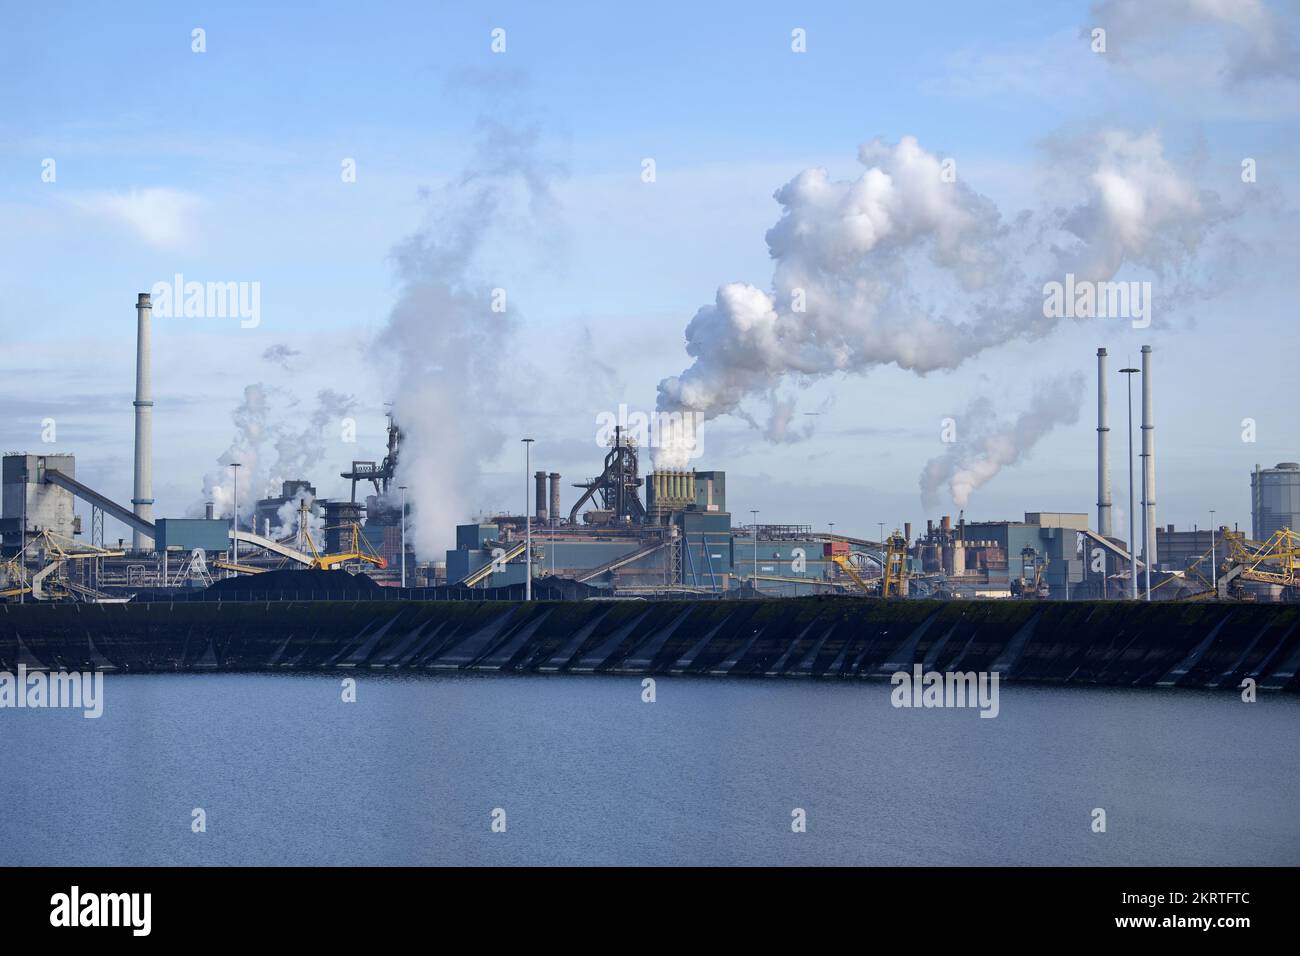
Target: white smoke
(220, 484)
(985, 445)
(442, 347)
(288, 515)
(271, 448)
(905, 266)
(1230, 40)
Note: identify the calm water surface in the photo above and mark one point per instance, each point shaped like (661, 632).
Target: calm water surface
(587, 773)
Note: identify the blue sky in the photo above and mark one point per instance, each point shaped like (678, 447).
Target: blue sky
(225, 166)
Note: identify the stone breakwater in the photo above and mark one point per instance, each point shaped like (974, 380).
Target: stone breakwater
(1201, 645)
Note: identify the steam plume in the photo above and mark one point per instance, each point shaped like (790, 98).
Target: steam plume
(986, 445)
(851, 259)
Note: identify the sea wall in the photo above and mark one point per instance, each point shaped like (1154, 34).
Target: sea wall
(1203, 645)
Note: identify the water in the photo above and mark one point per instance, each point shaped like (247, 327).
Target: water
(587, 773)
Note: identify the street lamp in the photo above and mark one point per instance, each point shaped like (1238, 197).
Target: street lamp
(402, 489)
(234, 514)
(1132, 545)
(1214, 563)
(528, 524)
(753, 512)
(22, 541)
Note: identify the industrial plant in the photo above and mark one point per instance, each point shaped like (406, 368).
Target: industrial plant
(629, 533)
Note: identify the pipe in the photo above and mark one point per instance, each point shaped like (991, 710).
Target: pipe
(1103, 449)
(1148, 471)
(142, 499)
(540, 480)
(555, 497)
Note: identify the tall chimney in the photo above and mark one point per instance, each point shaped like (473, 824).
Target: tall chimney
(1103, 449)
(1148, 463)
(555, 497)
(539, 484)
(142, 499)
(207, 510)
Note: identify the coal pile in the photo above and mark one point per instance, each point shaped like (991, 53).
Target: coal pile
(288, 584)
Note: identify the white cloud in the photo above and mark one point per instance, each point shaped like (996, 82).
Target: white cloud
(159, 215)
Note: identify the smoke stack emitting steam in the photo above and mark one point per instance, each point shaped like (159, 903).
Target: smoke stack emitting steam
(850, 258)
(985, 446)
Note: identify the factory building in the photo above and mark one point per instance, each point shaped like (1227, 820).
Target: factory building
(677, 539)
(267, 516)
(1001, 558)
(26, 495)
(1274, 499)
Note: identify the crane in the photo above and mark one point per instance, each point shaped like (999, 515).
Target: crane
(358, 550)
(845, 565)
(894, 581)
(51, 582)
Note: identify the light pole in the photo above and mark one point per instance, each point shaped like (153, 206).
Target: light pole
(528, 524)
(754, 513)
(22, 541)
(1132, 546)
(402, 489)
(234, 514)
(1214, 563)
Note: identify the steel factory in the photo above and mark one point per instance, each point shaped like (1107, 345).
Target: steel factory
(631, 533)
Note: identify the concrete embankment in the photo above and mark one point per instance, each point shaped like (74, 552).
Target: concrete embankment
(1203, 645)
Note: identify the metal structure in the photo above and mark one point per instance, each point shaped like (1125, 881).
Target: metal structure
(1103, 449)
(1275, 561)
(51, 582)
(1032, 570)
(358, 550)
(845, 564)
(142, 498)
(1149, 556)
(380, 475)
(1133, 583)
(893, 583)
(618, 485)
(528, 521)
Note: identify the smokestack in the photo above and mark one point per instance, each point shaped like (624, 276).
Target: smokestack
(142, 499)
(540, 479)
(1103, 449)
(1148, 462)
(907, 532)
(555, 497)
(207, 510)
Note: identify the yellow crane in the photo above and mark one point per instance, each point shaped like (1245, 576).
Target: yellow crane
(894, 581)
(847, 567)
(1275, 561)
(358, 550)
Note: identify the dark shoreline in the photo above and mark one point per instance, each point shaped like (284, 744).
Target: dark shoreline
(1208, 646)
